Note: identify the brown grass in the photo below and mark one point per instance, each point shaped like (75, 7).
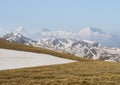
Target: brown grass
(79, 73)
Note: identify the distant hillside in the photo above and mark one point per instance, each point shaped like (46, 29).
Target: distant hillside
(82, 48)
(18, 38)
(77, 46)
(14, 46)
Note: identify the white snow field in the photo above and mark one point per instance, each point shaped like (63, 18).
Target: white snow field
(11, 59)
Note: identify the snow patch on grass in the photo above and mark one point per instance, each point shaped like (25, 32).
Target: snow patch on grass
(12, 59)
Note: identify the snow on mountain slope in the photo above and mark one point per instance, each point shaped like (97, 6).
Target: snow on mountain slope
(99, 36)
(18, 38)
(57, 34)
(92, 34)
(89, 33)
(11, 59)
(81, 44)
(24, 32)
(82, 48)
(90, 30)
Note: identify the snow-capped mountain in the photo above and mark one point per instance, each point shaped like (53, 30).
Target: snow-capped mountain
(45, 30)
(99, 36)
(22, 31)
(81, 44)
(92, 34)
(19, 35)
(81, 48)
(55, 34)
(89, 33)
(18, 38)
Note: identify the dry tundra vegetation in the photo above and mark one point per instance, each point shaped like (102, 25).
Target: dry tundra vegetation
(83, 72)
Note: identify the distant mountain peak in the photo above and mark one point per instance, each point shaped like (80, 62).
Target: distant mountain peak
(20, 29)
(18, 38)
(45, 30)
(91, 29)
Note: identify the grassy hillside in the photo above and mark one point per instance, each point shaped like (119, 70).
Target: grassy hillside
(79, 73)
(7, 45)
(85, 72)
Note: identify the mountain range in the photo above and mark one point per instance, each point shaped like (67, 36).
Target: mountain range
(18, 38)
(91, 34)
(89, 43)
(81, 48)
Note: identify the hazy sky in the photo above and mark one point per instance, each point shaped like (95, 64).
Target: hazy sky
(69, 15)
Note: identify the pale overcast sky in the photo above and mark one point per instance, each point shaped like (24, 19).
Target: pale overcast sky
(68, 15)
